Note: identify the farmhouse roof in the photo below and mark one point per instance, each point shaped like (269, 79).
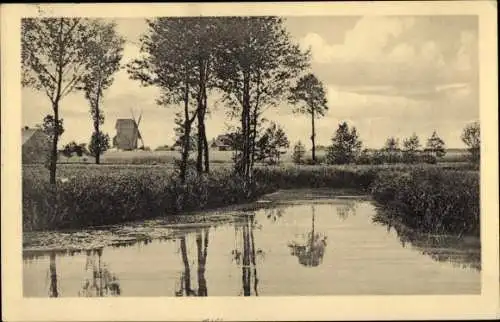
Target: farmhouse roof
(27, 134)
(222, 139)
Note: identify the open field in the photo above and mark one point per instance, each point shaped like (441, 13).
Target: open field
(145, 157)
(216, 157)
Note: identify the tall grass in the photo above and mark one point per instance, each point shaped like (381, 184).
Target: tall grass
(101, 196)
(431, 200)
(290, 177)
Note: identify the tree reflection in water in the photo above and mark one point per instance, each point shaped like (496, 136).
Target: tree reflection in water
(346, 209)
(274, 213)
(246, 257)
(311, 249)
(53, 292)
(457, 250)
(185, 289)
(101, 282)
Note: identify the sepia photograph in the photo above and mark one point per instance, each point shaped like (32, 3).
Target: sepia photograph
(273, 154)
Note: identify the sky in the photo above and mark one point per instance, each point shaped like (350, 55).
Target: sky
(385, 75)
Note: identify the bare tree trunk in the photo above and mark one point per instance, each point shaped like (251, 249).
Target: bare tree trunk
(203, 163)
(185, 150)
(313, 136)
(199, 143)
(253, 140)
(205, 144)
(205, 107)
(187, 133)
(55, 106)
(55, 139)
(246, 128)
(201, 117)
(96, 129)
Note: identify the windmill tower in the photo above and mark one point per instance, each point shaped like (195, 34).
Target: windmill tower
(128, 134)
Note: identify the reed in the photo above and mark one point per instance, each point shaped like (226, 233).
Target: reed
(431, 200)
(428, 198)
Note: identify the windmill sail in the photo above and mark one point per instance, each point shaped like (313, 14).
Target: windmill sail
(136, 123)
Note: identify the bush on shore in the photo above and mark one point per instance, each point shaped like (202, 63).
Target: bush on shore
(109, 197)
(316, 177)
(431, 200)
(428, 198)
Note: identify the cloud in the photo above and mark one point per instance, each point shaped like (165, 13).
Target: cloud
(384, 53)
(386, 76)
(364, 42)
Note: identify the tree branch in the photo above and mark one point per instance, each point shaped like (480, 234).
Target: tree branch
(73, 82)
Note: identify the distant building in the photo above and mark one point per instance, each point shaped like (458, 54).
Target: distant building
(35, 145)
(222, 143)
(321, 148)
(127, 134)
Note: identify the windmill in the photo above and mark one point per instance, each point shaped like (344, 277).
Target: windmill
(127, 133)
(136, 124)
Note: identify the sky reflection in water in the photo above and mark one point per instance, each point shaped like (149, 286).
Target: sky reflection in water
(338, 246)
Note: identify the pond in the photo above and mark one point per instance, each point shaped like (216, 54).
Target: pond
(289, 243)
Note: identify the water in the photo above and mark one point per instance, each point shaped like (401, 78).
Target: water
(327, 246)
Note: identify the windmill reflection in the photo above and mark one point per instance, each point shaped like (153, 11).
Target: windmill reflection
(185, 288)
(309, 250)
(101, 282)
(245, 255)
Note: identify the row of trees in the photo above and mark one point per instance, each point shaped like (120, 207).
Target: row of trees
(251, 61)
(346, 148)
(64, 55)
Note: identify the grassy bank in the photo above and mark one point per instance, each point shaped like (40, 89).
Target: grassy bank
(428, 196)
(431, 200)
(108, 195)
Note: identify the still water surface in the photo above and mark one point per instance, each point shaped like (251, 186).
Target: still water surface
(327, 246)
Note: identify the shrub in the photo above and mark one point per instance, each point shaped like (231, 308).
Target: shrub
(471, 136)
(363, 158)
(299, 151)
(310, 161)
(345, 145)
(315, 177)
(428, 158)
(431, 199)
(377, 157)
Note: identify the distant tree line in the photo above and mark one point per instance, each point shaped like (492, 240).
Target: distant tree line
(346, 148)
